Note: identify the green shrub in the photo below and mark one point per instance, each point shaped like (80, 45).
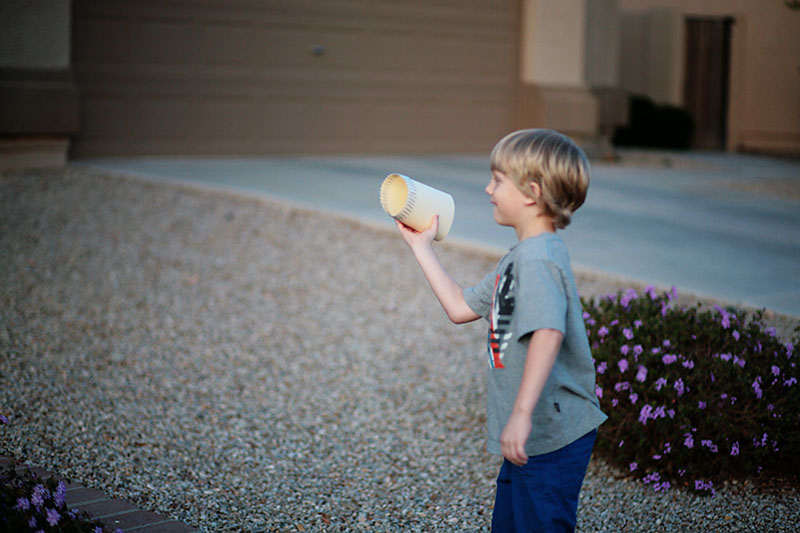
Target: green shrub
(694, 396)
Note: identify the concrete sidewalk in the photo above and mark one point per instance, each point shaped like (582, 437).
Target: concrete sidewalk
(719, 226)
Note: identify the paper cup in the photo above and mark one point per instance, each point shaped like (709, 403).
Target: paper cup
(414, 204)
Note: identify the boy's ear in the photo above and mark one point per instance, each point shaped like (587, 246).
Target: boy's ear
(536, 192)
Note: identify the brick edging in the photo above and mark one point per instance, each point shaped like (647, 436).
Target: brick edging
(113, 513)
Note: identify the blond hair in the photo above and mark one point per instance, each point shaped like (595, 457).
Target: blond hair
(550, 159)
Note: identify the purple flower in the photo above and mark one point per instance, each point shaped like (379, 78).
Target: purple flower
(601, 368)
(701, 405)
(673, 293)
(669, 358)
(661, 486)
(757, 388)
(32, 522)
(633, 397)
(776, 371)
(725, 356)
(22, 504)
(726, 318)
(629, 295)
(40, 493)
(651, 292)
(641, 374)
(789, 349)
(688, 364)
(628, 333)
(666, 343)
(710, 445)
(624, 349)
(713, 379)
(598, 391)
(660, 382)
(637, 323)
(53, 517)
(60, 493)
(3, 419)
(645, 413)
(637, 350)
(623, 365)
(614, 402)
(602, 332)
(735, 449)
(98, 529)
(789, 382)
(699, 485)
(633, 466)
(655, 476)
(679, 386)
(688, 441)
(621, 386)
(586, 316)
(736, 335)
(738, 361)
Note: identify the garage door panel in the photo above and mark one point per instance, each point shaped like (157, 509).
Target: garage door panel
(163, 41)
(242, 76)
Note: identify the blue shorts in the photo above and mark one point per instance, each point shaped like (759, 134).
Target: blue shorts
(543, 494)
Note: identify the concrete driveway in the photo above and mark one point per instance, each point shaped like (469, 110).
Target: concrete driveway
(715, 225)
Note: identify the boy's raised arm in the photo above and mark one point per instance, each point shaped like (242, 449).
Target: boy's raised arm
(447, 291)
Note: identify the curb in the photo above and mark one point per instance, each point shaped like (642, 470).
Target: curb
(113, 513)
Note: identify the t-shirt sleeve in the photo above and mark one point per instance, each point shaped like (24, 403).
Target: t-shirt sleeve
(479, 297)
(541, 299)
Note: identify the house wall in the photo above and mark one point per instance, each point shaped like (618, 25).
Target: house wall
(764, 110)
(38, 97)
(251, 77)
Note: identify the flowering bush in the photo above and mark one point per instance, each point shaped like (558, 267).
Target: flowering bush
(694, 396)
(28, 503)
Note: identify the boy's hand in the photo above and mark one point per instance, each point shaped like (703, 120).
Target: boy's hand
(513, 438)
(413, 237)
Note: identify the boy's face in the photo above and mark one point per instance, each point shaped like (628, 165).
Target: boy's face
(509, 202)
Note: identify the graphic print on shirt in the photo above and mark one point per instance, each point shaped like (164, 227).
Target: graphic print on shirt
(500, 318)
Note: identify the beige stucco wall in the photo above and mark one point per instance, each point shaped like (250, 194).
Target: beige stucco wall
(553, 42)
(764, 112)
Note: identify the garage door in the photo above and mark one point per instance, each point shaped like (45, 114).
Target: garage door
(293, 76)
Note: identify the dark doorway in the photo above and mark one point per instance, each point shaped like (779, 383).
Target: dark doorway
(707, 79)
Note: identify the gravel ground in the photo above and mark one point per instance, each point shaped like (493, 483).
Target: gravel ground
(242, 365)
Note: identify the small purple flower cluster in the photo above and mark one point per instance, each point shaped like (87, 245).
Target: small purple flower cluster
(37, 504)
(709, 376)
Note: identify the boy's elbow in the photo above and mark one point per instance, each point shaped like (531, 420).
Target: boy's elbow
(462, 316)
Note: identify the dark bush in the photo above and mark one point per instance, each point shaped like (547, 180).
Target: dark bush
(694, 396)
(655, 126)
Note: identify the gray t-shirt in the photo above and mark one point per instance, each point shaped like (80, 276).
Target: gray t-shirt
(533, 288)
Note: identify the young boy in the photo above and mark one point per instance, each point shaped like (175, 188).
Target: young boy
(542, 412)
